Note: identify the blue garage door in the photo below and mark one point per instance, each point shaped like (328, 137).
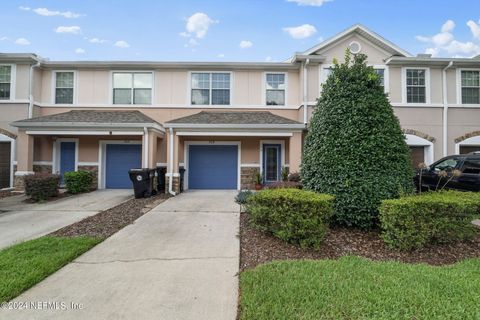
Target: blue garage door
(119, 159)
(212, 167)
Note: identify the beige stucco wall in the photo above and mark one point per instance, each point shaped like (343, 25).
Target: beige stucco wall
(313, 82)
(12, 112)
(22, 82)
(93, 86)
(461, 121)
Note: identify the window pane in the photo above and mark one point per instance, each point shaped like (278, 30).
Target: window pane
(416, 94)
(200, 96)
(471, 95)
(4, 91)
(122, 96)
(142, 96)
(470, 78)
(446, 164)
(200, 80)
(64, 79)
(276, 97)
(64, 95)
(122, 80)
(471, 166)
(142, 80)
(381, 76)
(5, 74)
(415, 77)
(271, 165)
(220, 80)
(275, 81)
(220, 96)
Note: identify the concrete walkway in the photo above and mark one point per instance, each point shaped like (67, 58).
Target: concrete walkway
(20, 221)
(179, 261)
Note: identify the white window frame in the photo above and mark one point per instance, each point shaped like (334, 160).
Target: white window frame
(189, 89)
(427, 86)
(264, 89)
(186, 149)
(13, 74)
(459, 87)
(54, 87)
(111, 85)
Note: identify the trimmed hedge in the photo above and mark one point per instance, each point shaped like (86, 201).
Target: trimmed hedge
(284, 185)
(40, 187)
(293, 215)
(417, 221)
(78, 181)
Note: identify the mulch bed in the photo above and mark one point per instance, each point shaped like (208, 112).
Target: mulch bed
(258, 247)
(106, 223)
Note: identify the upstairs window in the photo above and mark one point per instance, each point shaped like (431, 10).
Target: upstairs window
(210, 88)
(381, 76)
(416, 85)
(5, 82)
(275, 89)
(132, 87)
(470, 87)
(64, 87)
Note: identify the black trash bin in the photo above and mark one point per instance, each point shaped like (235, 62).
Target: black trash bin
(142, 180)
(161, 171)
(182, 174)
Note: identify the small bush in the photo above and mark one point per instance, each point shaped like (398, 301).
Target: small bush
(434, 217)
(284, 184)
(294, 177)
(78, 181)
(242, 198)
(293, 215)
(40, 187)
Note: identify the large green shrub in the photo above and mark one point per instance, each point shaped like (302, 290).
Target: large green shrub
(78, 181)
(293, 215)
(40, 187)
(355, 148)
(434, 217)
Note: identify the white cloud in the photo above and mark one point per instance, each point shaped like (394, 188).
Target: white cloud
(444, 42)
(220, 55)
(474, 28)
(198, 25)
(71, 29)
(244, 44)
(314, 3)
(49, 13)
(301, 32)
(96, 40)
(79, 51)
(24, 8)
(22, 42)
(268, 59)
(122, 44)
(3, 38)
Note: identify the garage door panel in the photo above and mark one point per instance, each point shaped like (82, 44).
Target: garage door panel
(417, 155)
(5, 158)
(119, 159)
(213, 167)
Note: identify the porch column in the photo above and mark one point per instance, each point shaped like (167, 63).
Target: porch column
(24, 158)
(295, 152)
(152, 149)
(172, 161)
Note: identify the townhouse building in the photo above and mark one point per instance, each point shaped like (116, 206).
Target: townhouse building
(220, 121)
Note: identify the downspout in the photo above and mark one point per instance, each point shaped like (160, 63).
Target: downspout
(146, 146)
(30, 89)
(305, 91)
(170, 165)
(445, 108)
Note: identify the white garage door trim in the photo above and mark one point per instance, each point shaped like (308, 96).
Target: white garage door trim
(186, 148)
(473, 141)
(416, 141)
(102, 149)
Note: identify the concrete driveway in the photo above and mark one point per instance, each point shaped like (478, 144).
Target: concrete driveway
(20, 221)
(179, 261)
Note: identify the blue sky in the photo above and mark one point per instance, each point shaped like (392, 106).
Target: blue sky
(243, 30)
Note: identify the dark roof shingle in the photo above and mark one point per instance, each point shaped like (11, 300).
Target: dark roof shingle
(248, 118)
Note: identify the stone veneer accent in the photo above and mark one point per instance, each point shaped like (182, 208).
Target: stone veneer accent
(466, 136)
(419, 134)
(246, 177)
(42, 168)
(175, 184)
(94, 171)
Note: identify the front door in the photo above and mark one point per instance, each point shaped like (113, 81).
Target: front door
(67, 158)
(271, 163)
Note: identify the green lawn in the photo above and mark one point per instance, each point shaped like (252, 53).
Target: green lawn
(356, 288)
(25, 264)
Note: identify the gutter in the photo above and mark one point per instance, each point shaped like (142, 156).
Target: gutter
(170, 178)
(30, 89)
(305, 90)
(445, 108)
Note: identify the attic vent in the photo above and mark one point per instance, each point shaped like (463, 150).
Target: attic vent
(354, 47)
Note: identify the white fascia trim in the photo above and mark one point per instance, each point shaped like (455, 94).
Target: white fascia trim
(86, 126)
(186, 148)
(83, 133)
(234, 126)
(428, 92)
(235, 134)
(166, 106)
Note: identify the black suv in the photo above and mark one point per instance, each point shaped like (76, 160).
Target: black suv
(458, 172)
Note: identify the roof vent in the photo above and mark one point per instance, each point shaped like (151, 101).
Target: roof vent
(424, 55)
